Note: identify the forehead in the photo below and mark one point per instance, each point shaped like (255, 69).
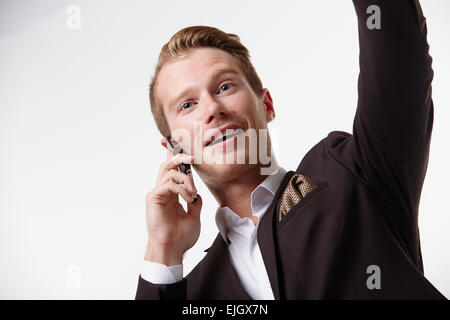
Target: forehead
(193, 69)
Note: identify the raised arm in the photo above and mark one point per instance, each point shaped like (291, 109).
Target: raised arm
(394, 117)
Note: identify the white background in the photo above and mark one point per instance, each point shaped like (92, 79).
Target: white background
(79, 148)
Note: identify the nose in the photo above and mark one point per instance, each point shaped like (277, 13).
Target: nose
(214, 109)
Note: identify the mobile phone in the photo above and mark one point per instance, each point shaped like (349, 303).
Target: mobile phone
(184, 167)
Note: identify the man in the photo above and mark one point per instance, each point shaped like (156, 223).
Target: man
(343, 225)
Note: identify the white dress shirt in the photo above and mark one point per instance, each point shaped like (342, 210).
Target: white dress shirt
(243, 247)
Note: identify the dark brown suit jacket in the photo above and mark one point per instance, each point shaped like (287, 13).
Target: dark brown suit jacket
(365, 210)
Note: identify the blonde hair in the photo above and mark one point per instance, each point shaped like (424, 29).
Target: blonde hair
(198, 37)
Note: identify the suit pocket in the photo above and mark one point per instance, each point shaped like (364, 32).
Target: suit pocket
(295, 209)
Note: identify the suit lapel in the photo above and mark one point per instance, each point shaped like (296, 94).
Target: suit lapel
(217, 263)
(266, 238)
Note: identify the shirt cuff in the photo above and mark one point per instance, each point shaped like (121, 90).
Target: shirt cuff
(158, 273)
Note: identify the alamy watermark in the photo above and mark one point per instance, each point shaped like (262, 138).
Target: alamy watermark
(73, 20)
(374, 20)
(73, 278)
(229, 146)
(374, 280)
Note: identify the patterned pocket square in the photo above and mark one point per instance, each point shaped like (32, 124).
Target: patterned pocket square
(297, 188)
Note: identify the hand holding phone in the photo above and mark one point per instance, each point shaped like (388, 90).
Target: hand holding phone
(183, 167)
(172, 230)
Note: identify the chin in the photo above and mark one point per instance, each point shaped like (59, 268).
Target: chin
(221, 166)
(222, 173)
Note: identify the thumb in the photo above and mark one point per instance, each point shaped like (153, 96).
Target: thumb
(194, 208)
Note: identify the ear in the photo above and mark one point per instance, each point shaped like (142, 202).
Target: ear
(268, 103)
(164, 143)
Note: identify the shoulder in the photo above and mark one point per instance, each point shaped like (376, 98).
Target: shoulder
(334, 152)
(334, 142)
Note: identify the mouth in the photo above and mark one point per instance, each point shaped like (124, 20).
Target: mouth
(224, 137)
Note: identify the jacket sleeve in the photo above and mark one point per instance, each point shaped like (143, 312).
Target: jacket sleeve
(394, 117)
(149, 291)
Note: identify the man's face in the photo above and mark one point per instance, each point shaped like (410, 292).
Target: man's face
(203, 92)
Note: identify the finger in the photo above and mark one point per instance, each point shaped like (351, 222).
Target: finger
(180, 177)
(194, 208)
(173, 163)
(177, 189)
(169, 189)
(178, 159)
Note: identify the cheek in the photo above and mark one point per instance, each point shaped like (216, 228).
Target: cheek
(243, 105)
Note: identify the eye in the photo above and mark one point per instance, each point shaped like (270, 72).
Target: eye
(225, 87)
(186, 105)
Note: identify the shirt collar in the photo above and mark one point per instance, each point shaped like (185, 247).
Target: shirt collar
(261, 197)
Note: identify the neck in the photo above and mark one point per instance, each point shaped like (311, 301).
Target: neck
(236, 194)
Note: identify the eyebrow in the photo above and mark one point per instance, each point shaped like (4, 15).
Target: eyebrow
(215, 75)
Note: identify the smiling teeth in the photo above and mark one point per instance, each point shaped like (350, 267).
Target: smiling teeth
(223, 138)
